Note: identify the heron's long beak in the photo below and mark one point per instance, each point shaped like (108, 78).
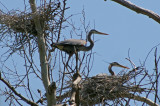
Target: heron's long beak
(123, 66)
(102, 33)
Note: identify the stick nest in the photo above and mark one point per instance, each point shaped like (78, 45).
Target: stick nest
(23, 22)
(18, 28)
(100, 88)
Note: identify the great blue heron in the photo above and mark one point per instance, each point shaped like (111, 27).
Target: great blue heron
(117, 65)
(73, 46)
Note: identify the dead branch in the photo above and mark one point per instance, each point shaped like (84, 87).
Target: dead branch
(74, 100)
(139, 98)
(52, 88)
(138, 9)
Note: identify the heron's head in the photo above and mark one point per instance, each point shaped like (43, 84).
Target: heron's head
(97, 32)
(118, 65)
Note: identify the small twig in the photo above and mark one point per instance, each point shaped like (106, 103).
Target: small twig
(41, 98)
(149, 53)
(131, 63)
(156, 61)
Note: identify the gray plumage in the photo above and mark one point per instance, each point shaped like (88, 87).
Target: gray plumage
(71, 46)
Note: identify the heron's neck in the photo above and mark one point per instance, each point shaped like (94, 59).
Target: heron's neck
(110, 70)
(87, 48)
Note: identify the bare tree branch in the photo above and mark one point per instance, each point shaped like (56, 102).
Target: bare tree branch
(16, 93)
(139, 98)
(138, 9)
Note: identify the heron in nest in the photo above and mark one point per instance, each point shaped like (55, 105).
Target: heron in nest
(116, 65)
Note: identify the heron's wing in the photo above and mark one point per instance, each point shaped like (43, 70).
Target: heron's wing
(72, 42)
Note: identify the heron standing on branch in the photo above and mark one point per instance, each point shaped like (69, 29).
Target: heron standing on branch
(73, 46)
(117, 65)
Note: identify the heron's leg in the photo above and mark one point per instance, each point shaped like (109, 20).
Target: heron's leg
(76, 53)
(68, 59)
(77, 71)
(66, 65)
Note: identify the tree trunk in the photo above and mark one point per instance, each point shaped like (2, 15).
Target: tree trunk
(51, 97)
